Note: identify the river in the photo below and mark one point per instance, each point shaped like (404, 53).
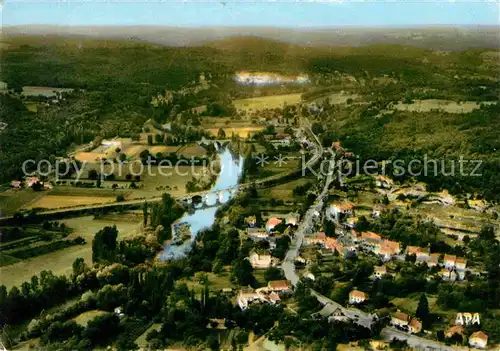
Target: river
(229, 176)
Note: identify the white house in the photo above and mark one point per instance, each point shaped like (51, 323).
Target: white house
(357, 297)
(449, 261)
(260, 261)
(399, 319)
(379, 272)
(382, 181)
(341, 208)
(478, 339)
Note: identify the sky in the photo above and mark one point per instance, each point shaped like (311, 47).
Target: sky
(192, 13)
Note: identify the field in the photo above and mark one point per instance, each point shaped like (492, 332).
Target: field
(11, 201)
(173, 182)
(141, 340)
(435, 104)
(59, 201)
(85, 317)
(242, 132)
(38, 90)
(283, 191)
(60, 262)
(192, 150)
(264, 102)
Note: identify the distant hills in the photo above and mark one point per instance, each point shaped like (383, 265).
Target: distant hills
(437, 38)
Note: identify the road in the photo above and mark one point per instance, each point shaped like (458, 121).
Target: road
(414, 341)
(306, 225)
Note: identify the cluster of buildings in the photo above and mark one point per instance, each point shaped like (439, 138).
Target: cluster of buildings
(269, 294)
(478, 339)
(263, 259)
(405, 322)
(29, 182)
(453, 267)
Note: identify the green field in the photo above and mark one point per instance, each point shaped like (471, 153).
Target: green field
(60, 262)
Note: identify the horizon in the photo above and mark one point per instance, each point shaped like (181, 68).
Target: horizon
(229, 14)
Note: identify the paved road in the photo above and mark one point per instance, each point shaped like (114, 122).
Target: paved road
(414, 341)
(306, 225)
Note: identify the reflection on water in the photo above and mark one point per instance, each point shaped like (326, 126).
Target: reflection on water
(269, 78)
(204, 218)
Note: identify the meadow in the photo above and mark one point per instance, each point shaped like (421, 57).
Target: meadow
(60, 262)
(267, 102)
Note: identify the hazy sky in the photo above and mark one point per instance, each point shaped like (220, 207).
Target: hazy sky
(254, 13)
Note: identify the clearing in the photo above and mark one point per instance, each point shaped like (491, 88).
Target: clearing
(85, 317)
(436, 104)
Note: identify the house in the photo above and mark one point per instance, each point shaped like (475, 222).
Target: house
(216, 323)
(251, 221)
(292, 219)
(370, 236)
(257, 234)
(16, 184)
(357, 297)
(478, 339)
(279, 285)
(332, 244)
(377, 210)
(456, 329)
(415, 326)
(399, 319)
(448, 275)
(338, 209)
(382, 181)
(317, 239)
(30, 181)
(421, 254)
(460, 264)
(351, 222)
(272, 223)
(119, 311)
(309, 275)
(379, 272)
(112, 143)
(449, 261)
(387, 249)
(274, 298)
(259, 261)
(433, 260)
(477, 205)
(244, 299)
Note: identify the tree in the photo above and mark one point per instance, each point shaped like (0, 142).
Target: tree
(273, 273)
(242, 272)
(145, 213)
(423, 311)
(93, 175)
(221, 134)
(158, 138)
(104, 244)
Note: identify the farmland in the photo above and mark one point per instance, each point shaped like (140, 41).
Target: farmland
(60, 262)
(267, 102)
(60, 201)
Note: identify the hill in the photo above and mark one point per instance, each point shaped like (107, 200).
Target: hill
(439, 38)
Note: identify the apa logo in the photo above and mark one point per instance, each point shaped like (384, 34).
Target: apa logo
(467, 319)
